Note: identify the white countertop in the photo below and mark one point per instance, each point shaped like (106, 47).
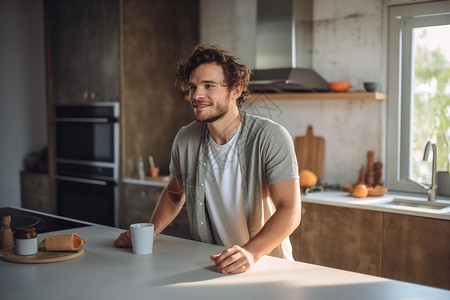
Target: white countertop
(160, 181)
(181, 269)
(344, 199)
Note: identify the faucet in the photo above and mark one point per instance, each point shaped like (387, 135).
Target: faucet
(430, 190)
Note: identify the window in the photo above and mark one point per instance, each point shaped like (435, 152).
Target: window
(419, 92)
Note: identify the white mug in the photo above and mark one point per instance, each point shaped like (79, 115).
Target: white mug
(142, 238)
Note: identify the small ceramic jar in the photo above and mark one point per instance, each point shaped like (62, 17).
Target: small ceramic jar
(26, 241)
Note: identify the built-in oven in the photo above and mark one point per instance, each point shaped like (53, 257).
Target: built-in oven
(87, 161)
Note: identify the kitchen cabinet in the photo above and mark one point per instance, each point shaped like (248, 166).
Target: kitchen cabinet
(339, 237)
(416, 249)
(127, 51)
(402, 247)
(83, 44)
(138, 203)
(155, 36)
(35, 192)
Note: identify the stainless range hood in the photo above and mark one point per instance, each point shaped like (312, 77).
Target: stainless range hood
(284, 48)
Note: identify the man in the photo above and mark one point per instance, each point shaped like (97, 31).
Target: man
(235, 173)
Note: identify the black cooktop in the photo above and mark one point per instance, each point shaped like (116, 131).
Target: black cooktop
(42, 223)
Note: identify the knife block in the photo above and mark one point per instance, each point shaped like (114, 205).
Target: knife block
(6, 235)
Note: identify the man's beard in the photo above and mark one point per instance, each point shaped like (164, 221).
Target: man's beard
(221, 111)
(216, 117)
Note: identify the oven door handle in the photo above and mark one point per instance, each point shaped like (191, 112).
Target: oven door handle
(86, 120)
(81, 180)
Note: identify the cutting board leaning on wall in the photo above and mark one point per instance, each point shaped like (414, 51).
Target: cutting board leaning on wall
(310, 152)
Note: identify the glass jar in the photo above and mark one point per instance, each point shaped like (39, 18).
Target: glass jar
(26, 241)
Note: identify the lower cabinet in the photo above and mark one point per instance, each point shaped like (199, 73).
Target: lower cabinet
(417, 250)
(35, 192)
(137, 205)
(395, 246)
(337, 237)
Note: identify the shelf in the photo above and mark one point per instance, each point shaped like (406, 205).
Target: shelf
(322, 96)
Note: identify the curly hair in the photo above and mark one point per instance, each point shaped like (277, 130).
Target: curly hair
(235, 74)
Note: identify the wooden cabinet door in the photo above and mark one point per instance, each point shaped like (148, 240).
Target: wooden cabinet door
(65, 38)
(138, 204)
(155, 36)
(83, 41)
(417, 250)
(35, 192)
(339, 237)
(102, 50)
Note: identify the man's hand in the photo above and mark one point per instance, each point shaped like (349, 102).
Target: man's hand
(124, 240)
(233, 260)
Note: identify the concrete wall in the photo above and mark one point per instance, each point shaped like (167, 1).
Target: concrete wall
(23, 117)
(347, 46)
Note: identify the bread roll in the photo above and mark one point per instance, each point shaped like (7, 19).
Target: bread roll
(63, 242)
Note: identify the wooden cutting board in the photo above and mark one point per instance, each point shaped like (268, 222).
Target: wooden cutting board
(310, 151)
(41, 257)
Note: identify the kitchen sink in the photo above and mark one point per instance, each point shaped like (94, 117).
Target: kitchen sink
(435, 206)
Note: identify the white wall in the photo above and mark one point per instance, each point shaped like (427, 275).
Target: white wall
(347, 46)
(23, 126)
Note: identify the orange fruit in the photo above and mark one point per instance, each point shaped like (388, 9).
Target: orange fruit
(307, 178)
(360, 191)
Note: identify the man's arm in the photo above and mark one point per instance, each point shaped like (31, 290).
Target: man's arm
(286, 198)
(169, 205)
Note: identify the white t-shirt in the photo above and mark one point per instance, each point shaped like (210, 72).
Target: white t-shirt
(224, 196)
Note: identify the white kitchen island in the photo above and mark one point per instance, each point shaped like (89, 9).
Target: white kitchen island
(181, 269)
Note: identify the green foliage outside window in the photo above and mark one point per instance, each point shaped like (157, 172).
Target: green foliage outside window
(431, 110)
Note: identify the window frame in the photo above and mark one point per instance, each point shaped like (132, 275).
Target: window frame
(401, 21)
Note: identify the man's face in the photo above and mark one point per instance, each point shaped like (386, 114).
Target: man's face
(209, 96)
